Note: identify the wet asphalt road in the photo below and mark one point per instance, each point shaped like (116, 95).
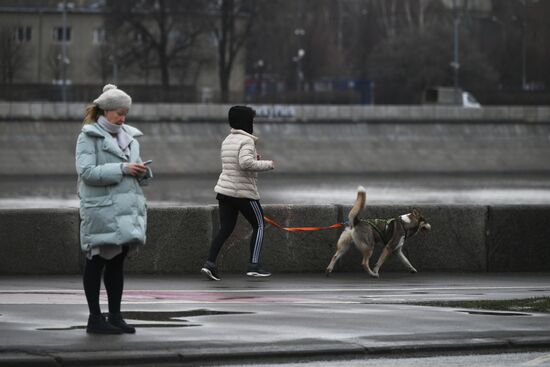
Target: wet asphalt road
(348, 314)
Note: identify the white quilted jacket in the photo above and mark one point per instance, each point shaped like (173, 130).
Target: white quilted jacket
(240, 166)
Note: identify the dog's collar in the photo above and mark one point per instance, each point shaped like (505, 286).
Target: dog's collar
(407, 235)
(400, 221)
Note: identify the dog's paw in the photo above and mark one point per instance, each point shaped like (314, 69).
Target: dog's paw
(328, 273)
(413, 271)
(375, 275)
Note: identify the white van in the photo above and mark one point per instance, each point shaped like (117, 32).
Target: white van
(450, 97)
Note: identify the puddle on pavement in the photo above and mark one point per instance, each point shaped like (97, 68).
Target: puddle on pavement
(37, 292)
(139, 326)
(162, 319)
(494, 313)
(237, 298)
(174, 316)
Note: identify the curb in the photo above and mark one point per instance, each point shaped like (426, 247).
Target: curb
(311, 349)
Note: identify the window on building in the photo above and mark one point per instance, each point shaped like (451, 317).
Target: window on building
(22, 33)
(98, 36)
(58, 34)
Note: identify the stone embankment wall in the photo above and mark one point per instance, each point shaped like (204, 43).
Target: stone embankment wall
(39, 138)
(463, 239)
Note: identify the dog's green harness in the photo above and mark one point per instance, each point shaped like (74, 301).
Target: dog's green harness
(382, 227)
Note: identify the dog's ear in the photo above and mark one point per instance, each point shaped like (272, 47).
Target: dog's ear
(419, 217)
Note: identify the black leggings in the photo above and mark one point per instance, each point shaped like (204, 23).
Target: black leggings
(229, 208)
(113, 279)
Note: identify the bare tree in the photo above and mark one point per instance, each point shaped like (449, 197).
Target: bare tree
(14, 56)
(404, 65)
(521, 54)
(388, 9)
(233, 28)
(422, 6)
(504, 39)
(296, 35)
(328, 40)
(162, 32)
(102, 64)
(395, 16)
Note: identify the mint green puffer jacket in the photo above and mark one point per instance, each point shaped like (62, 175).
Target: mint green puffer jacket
(112, 205)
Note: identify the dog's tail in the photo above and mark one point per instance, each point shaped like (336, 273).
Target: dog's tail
(357, 206)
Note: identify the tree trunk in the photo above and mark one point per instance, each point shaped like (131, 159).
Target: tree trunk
(224, 87)
(226, 9)
(164, 72)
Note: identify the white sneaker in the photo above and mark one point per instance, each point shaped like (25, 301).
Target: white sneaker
(256, 271)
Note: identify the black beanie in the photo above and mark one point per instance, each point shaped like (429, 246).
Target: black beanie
(241, 117)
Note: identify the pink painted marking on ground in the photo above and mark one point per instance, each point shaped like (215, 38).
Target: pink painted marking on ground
(141, 296)
(150, 295)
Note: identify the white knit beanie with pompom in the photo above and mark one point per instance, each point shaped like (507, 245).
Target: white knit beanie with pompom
(113, 98)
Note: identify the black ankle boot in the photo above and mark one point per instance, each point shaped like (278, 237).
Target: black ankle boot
(98, 325)
(116, 320)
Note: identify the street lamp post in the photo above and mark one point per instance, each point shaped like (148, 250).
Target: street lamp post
(299, 68)
(523, 25)
(64, 59)
(259, 66)
(300, 33)
(523, 57)
(64, 53)
(456, 63)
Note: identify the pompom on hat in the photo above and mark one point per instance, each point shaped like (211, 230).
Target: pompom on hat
(113, 98)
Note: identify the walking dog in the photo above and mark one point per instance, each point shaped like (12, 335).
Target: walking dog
(366, 233)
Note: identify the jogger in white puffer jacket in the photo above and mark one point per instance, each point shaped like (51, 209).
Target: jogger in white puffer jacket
(237, 190)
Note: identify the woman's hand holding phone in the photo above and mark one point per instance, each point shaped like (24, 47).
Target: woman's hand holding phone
(137, 169)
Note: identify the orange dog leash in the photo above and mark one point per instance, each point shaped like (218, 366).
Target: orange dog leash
(302, 229)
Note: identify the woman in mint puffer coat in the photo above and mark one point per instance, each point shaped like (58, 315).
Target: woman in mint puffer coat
(112, 205)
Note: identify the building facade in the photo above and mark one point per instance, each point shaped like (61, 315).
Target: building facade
(65, 43)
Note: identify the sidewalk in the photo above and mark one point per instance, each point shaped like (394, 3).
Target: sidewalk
(188, 320)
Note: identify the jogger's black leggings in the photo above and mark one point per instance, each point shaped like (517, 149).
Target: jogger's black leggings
(113, 278)
(230, 208)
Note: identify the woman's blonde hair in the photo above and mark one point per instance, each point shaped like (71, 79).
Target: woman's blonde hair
(92, 113)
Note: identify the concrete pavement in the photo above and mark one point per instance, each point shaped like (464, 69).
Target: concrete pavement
(189, 320)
